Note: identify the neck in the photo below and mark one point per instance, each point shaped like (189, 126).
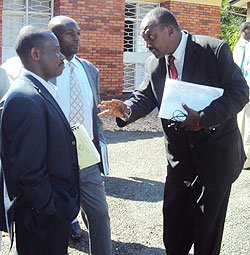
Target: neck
(177, 41)
(37, 72)
(69, 57)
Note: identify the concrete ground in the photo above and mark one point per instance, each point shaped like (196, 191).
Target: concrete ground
(134, 192)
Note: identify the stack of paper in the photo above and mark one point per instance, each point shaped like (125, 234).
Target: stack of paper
(195, 96)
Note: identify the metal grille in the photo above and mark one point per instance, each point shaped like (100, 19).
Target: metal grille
(128, 75)
(135, 52)
(134, 13)
(133, 74)
(18, 13)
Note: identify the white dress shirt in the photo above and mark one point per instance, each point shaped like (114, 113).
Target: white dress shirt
(179, 55)
(63, 84)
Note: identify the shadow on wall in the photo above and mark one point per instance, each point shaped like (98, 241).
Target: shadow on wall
(139, 189)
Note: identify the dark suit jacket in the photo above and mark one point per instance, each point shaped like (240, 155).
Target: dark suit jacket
(39, 157)
(216, 152)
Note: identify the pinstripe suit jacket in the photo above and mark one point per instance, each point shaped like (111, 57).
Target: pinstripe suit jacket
(39, 155)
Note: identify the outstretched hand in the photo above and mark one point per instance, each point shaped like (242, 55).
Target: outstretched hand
(192, 121)
(114, 107)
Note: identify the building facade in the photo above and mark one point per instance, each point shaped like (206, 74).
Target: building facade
(110, 31)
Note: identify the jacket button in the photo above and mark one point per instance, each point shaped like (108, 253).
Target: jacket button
(191, 146)
(73, 143)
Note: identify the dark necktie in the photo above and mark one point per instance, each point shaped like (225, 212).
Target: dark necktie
(172, 68)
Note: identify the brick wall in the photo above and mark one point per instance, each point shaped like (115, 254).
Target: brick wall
(102, 24)
(102, 32)
(196, 18)
(1, 25)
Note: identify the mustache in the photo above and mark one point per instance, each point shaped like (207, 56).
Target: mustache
(152, 49)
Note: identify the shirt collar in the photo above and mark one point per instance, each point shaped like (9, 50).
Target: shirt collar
(72, 61)
(244, 40)
(44, 83)
(179, 52)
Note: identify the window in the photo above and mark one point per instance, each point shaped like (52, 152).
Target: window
(18, 13)
(135, 52)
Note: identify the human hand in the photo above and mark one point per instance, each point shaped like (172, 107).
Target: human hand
(192, 121)
(114, 107)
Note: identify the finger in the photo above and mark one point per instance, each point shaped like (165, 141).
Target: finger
(116, 101)
(100, 106)
(106, 103)
(101, 114)
(185, 107)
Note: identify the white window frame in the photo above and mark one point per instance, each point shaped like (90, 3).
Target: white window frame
(8, 50)
(140, 53)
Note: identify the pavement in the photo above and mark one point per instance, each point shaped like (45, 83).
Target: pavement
(134, 191)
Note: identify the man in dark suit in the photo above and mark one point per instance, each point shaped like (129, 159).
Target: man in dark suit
(204, 152)
(38, 150)
(85, 75)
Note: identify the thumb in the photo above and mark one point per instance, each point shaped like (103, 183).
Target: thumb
(185, 107)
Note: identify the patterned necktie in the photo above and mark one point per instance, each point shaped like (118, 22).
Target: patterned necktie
(76, 100)
(172, 68)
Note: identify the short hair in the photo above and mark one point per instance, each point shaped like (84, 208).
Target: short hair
(57, 23)
(161, 17)
(244, 26)
(28, 39)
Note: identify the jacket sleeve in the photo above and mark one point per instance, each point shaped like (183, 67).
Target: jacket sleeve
(24, 125)
(236, 91)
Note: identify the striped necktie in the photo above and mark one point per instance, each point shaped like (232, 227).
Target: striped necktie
(76, 100)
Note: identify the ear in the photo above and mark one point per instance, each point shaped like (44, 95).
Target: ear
(35, 54)
(170, 30)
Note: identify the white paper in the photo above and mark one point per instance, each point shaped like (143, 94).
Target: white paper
(195, 96)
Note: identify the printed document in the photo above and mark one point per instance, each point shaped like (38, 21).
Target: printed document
(195, 96)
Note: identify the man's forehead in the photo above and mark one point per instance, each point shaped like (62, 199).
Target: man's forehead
(149, 29)
(70, 26)
(51, 41)
(148, 25)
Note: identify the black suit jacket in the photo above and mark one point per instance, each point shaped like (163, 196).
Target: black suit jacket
(216, 152)
(39, 157)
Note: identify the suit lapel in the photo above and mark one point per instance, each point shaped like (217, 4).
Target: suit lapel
(45, 93)
(93, 88)
(158, 78)
(190, 60)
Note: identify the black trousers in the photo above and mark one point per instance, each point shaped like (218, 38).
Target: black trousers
(193, 215)
(46, 237)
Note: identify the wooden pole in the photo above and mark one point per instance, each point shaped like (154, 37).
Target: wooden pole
(248, 12)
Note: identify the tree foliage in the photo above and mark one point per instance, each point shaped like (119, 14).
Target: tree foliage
(230, 23)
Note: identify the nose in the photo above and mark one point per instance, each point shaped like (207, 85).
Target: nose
(62, 57)
(148, 44)
(76, 37)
